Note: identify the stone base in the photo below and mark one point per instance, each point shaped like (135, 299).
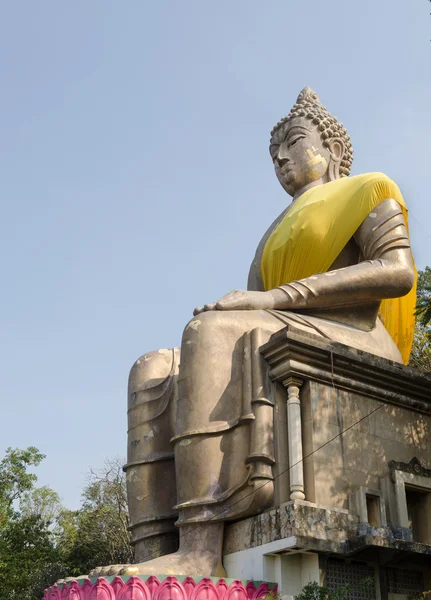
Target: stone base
(306, 527)
(159, 588)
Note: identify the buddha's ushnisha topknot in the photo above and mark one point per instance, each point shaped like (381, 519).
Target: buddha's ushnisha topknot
(308, 105)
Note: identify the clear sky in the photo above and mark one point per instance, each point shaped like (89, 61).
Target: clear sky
(136, 180)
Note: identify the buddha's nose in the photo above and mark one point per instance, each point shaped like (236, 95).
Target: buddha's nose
(282, 155)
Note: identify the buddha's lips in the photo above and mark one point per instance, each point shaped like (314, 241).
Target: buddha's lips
(285, 170)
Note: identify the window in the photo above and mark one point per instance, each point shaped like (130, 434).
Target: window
(373, 510)
(369, 505)
(419, 514)
(413, 504)
(360, 576)
(401, 581)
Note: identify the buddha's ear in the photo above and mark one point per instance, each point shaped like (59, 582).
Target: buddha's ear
(336, 147)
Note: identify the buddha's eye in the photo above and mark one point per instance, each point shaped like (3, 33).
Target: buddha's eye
(293, 142)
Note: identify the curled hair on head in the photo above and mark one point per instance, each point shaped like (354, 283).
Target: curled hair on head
(308, 105)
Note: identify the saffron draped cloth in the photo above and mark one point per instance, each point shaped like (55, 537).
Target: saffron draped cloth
(315, 230)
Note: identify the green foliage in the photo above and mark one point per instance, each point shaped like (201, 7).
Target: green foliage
(273, 595)
(420, 357)
(43, 502)
(42, 541)
(98, 533)
(423, 306)
(314, 591)
(26, 549)
(15, 479)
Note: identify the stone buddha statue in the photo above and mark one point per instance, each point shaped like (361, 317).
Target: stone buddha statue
(336, 263)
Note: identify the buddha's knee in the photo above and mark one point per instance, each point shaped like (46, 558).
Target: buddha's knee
(203, 326)
(150, 371)
(151, 403)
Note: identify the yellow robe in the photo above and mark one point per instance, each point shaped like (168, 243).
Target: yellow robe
(318, 226)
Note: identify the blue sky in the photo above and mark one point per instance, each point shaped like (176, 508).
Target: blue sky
(136, 180)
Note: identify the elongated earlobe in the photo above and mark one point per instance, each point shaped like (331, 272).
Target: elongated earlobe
(336, 147)
(333, 170)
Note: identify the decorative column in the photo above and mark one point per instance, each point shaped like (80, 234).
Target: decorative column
(294, 434)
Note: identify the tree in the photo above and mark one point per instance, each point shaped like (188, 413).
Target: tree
(42, 541)
(420, 357)
(42, 502)
(423, 307)
(314, 591)
(98, 533)
(27, 548)
(26, 551)
(15, 479)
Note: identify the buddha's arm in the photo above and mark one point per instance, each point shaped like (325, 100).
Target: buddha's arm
(386, 270)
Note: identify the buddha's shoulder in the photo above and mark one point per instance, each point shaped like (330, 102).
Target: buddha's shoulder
(375, 183)
(365, 178)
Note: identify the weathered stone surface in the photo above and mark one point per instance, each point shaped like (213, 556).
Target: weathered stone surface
(317, 529)
(295, 518)
(298, 353)
(361, 418)
(414, 467)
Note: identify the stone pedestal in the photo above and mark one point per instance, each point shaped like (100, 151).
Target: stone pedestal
(159, 588)
(353, 468)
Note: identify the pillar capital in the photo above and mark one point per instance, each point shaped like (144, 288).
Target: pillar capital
(292, 381)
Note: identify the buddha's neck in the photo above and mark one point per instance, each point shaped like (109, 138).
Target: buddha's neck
(307, 187)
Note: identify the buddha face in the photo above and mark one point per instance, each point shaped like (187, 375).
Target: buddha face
(298, 155)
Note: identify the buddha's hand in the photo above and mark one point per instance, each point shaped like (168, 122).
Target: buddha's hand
(240, 300)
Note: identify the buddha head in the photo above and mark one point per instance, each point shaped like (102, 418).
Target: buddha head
(309, 145)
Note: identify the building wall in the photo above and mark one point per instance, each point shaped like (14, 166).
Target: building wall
(360, 456)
